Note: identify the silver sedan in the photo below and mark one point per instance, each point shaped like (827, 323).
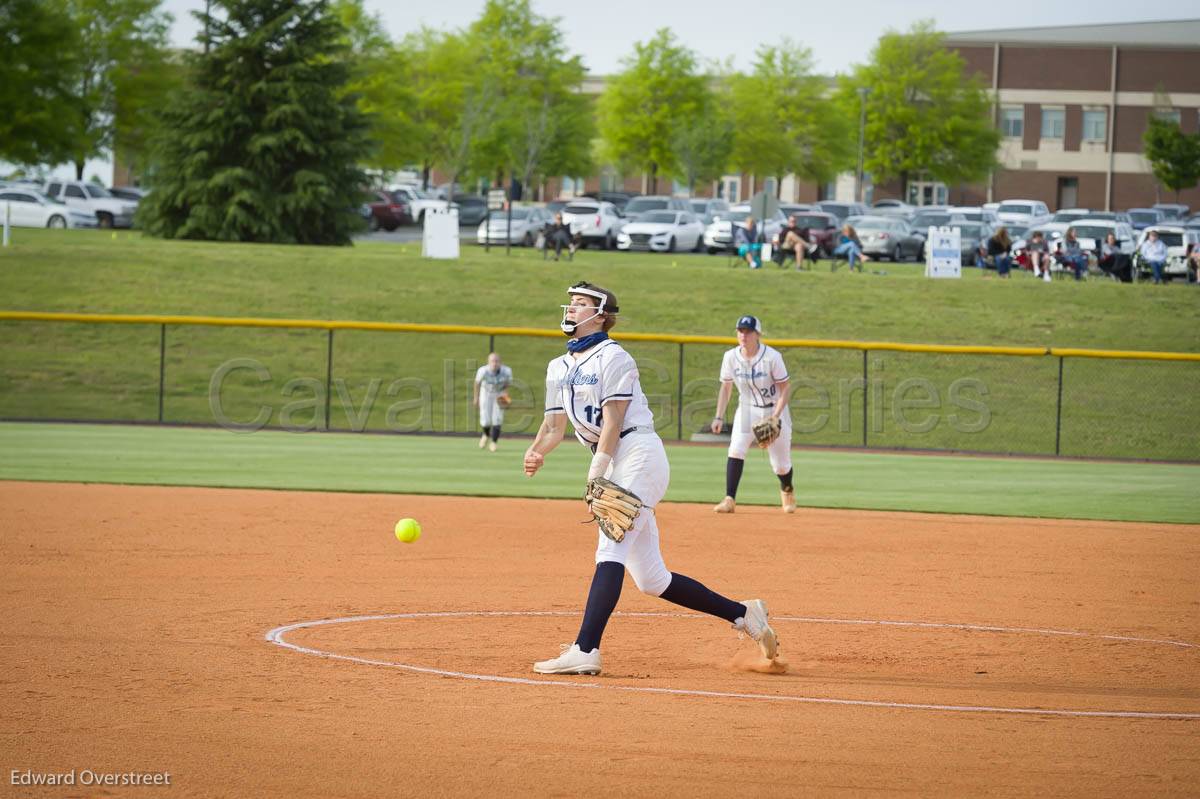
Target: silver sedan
(527, 222)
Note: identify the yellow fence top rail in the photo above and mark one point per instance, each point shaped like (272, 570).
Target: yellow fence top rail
(408, 327)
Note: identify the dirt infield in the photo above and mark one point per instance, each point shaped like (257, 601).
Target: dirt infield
(137, 620)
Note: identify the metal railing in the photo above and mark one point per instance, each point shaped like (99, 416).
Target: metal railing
(1021, 400)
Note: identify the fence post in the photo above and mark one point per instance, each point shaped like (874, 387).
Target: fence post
(491, 344)
(1058, 410)
(328, 374)
(162, 367)
(679, 397)
(866, 393)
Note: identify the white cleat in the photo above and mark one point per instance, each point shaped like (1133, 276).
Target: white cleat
(788, 499)
(725, 506)
(573, 660)
(491, 446)
(483, 440)
(755, 624)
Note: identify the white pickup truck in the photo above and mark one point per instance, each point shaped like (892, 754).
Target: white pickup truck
(418, 200)
(91, 198)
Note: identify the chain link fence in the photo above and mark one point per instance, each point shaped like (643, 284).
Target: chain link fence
(410, 378)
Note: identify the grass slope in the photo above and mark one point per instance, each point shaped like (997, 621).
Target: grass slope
(420, 382)
(439, 465)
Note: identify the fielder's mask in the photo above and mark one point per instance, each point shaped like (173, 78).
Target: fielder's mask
(587, 290)
(750, 323)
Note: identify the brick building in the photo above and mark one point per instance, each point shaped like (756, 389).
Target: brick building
(1073, 104)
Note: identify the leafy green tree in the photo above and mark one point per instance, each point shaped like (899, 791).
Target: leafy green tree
(923, 115)
(1174, 156)
(120, 73)
(704, 144)
(543, 124)
(140, 91)
(265, 143)
(783, 121)
(378, 82)
(41, 53)
(457, 94)
(643, 108)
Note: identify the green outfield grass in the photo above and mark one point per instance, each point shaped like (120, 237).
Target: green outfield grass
(455, 465)
(75, 371)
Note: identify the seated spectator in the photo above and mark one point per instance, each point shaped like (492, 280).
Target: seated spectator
(997, 249)
(1113, 261)
(1072, 254)
(793, 239)
(850, 246)
(749, 241)
(1039, 255)
(558, 235)
(1154, 252)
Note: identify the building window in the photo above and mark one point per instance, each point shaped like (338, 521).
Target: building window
(1095, 125)
(1168, 115)
(1054, 121)
(1012, 122)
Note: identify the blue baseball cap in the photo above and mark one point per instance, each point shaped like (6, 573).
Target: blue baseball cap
(750, 323)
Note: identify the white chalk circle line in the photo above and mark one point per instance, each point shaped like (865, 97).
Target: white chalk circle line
(278, 635)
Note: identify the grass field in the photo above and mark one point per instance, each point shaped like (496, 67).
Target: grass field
(455, 465)
(421, 382)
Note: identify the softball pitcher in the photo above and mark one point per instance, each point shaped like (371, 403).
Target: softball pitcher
(596, 386)
(491, 394)
(762, 415)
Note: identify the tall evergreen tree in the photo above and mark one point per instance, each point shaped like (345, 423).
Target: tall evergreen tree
(264, 145)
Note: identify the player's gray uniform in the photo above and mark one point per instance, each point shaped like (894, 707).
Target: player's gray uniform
(755, 380)
(580, 389)
(491, 385)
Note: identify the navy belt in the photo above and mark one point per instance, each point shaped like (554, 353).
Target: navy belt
(624, 433)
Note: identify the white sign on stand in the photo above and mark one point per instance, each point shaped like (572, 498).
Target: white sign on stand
(943, 252)
(441, 233)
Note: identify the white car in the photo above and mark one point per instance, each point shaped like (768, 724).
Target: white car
(92, 199)
(662, 231)
(974, 213)
(527, 223)
(594, 221)
(1023, 212)
(1178, 240)
(1092, 233)
(719, 235)
(31, 208)
(418, 201)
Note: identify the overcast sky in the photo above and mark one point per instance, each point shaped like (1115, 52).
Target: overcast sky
(839, 32)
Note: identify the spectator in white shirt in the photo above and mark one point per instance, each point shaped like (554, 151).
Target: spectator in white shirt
(1154, 252)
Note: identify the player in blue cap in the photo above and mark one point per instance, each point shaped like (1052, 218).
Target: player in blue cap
(761, 378)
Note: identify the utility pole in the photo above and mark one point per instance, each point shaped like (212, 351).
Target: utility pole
(863, 91)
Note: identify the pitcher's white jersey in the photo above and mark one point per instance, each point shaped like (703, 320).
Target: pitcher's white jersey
(580, 389)
(493, 383)
(755, 378)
